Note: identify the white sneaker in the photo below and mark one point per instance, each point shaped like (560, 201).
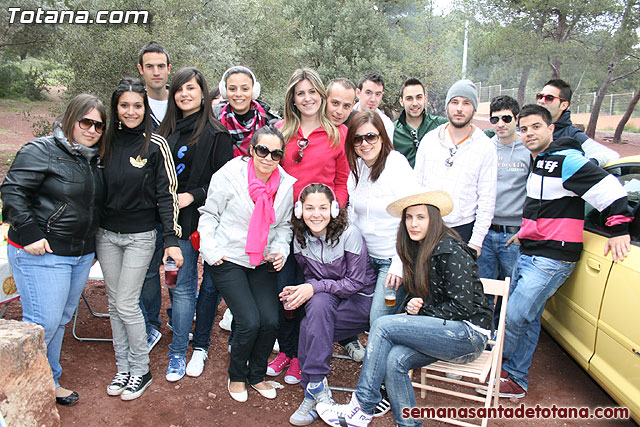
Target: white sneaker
(342, 415)
(227, 318)
(196, 364)
(355, 350)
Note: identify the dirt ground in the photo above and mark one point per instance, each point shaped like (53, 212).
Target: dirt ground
(89, 366)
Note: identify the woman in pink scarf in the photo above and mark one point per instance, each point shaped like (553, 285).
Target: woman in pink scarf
(246, 219)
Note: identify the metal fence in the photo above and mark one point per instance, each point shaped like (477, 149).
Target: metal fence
(613, 104)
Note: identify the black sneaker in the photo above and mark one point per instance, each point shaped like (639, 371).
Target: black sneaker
(384, 405)
(118, 383)
(136, 386)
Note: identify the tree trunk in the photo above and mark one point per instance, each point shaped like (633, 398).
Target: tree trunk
(597, 103)
(617, 135)
(522, 87)
(555, 64)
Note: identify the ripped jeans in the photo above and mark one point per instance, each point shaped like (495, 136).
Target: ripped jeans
(400, 343)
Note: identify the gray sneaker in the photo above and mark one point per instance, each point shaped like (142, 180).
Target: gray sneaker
(355, 350)
(306, 412)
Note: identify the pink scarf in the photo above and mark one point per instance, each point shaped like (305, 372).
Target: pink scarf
(263, 213)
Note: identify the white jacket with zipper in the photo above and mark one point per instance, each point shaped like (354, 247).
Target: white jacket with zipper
(225, 216)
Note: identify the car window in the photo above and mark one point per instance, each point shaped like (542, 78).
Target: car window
(629, 176)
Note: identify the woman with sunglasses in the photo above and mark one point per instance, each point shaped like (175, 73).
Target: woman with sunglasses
(246, 218)
(376, 173)
(200, 146)
(141, 181)
(52, 197)
(314, 154)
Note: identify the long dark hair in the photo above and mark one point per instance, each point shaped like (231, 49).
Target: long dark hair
(127, 84)
(336, 225)
(168, 125)
(416, 256)
(355, 123)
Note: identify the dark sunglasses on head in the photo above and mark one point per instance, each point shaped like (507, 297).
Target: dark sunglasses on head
(370, 137)
(548, 98)
(85, 124)
(494, 119)
(302, 144)
(263, 151)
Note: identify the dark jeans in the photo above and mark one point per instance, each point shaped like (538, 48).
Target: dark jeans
(252, 297)
(289, 329)
(151, 295)
(206, 309)
(465, 231)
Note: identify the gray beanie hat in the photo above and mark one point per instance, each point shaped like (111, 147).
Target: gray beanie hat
(465, 89)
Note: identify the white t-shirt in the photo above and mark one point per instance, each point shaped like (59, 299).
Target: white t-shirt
(159, 108)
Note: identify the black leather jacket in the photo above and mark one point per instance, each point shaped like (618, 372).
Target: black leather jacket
(53, 191)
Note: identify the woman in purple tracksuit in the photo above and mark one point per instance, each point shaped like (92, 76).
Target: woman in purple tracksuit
(338, 289)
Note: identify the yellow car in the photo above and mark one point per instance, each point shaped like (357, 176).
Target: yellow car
(595, 315)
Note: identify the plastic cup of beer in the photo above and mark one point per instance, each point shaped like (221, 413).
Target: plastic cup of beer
(289, 313)
(270, 258)
(170, 273)
(390, 296)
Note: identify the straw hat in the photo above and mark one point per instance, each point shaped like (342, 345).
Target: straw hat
(439, 199)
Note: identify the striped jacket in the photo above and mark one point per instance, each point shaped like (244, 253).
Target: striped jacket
(553, 217)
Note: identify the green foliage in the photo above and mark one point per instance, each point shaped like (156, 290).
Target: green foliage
(14, 83)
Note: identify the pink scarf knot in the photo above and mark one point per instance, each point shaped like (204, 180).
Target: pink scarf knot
(263, 194)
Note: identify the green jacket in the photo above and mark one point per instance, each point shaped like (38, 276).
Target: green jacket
(404, 142)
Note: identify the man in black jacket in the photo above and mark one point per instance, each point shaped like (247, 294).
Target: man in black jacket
(556, 97)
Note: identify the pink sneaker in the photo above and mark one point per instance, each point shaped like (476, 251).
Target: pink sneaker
(293, 373)
(278, 364)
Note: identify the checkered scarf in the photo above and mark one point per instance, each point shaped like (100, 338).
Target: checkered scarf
(240, 133)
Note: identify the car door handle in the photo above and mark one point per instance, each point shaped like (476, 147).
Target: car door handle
(593, 264)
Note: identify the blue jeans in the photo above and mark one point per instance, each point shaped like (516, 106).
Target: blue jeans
(400, 343)
(151, 295)
(535, 280)
(496, 259)
(50, 287)
(206, 309)
(184, 299)
(124, 258)
(378, 307)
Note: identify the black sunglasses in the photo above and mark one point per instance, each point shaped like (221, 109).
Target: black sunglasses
(494, 119)
(85, 124)
(263, 151)
(302, 144)
(370, 137)
(548, 98)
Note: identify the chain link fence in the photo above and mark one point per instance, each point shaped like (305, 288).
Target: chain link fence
(613, 104)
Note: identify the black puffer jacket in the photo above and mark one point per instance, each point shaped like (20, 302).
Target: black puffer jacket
(455, 290)
(53, 191)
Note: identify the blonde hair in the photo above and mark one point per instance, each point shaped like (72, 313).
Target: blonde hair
(291, 113)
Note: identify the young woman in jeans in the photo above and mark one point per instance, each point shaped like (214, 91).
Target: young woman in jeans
(52, 196)
(140, 179)
(447, 316)
(314, 154)
(200, 146)
(246, 217)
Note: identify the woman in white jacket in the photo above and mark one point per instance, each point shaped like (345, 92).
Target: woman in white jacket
(245, 218)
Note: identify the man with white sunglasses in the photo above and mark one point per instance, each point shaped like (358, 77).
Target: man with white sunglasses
(556, 98)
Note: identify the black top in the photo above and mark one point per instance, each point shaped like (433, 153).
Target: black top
(455, 292)
(201, 160)
(138, 183)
